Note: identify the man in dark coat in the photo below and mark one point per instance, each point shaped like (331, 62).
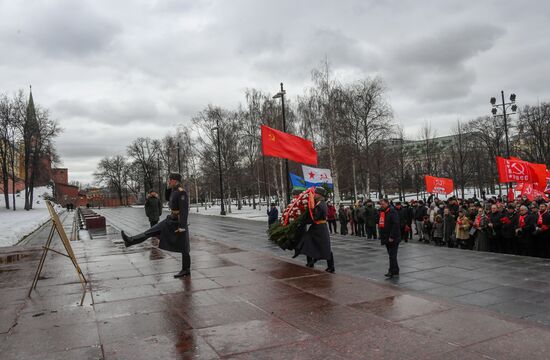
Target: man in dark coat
(527, 223)
(495, 230)
(402, 213)
(390, 235)
(509, 221)
(315, 243)
(172, 231)
(419, 213)
(153, 208)
(344, 219)
(370, 220)
(272, 215)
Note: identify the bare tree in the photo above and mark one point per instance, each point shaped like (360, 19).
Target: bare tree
(111, 172)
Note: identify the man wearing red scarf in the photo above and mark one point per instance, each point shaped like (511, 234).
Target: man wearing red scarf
(543, 231)
(526, 228)
(390, 235)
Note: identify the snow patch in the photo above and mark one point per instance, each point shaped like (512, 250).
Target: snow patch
(15, 225)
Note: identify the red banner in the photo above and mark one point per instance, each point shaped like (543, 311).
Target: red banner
(519, 171)
(547, 190)
(280, 144)
(532, 193)
(437, 185)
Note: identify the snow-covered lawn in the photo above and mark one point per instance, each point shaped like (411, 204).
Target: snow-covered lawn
(245, 213)
(15, 225)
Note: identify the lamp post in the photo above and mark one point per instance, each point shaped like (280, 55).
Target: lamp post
(217, 128)
(504, 106)
(179, 159)
(281, 94)
(159, 178)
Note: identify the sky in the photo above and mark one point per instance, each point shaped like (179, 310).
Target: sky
(112, 71)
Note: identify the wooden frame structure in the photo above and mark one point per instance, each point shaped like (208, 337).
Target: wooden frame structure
(57, 226)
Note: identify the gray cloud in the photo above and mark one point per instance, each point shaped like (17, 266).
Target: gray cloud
(111, 71)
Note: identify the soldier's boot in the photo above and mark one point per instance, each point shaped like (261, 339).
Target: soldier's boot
(133, 240)
(310, 262)
(330, 264)
(185, 266)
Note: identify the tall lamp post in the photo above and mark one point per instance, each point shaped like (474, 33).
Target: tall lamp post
(504, 106)
(217, 128)
(281, 94)
(179, 159)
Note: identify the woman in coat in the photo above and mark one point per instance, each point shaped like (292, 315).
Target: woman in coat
(481, 236)
(463, 231)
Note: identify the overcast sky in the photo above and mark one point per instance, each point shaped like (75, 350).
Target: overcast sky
(111, 71)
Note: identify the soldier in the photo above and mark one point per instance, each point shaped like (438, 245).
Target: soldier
(315, 243)
(173, 231)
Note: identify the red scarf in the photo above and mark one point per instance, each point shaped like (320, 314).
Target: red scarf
(477, 223)
(539, 221)
(382, 221)
(522, 221)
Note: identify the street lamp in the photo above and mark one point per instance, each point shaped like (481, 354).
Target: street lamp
(281, 94)
(505, 106)
(179, 159)
(217, 128)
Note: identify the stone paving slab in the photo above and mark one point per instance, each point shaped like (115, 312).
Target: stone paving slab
(238, 304)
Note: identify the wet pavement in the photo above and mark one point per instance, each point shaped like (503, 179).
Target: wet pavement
(513, 285)
(240, 303)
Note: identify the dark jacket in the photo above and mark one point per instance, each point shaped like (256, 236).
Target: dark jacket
(392, 228)
(448, 227)
(171, 240)
(360, 214)
(509, 224)
(272, 215)
(402, 213)
(420, 212)
(370, 216)
(530, 225)
(343, 216)
(494, 218)
(153, 208)
(315, 242)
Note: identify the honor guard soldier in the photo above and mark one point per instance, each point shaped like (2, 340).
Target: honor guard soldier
(172, 231)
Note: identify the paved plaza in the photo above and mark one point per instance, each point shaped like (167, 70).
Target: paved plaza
(247, 300)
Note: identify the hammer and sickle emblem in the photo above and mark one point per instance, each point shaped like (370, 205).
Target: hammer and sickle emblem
(272, 137)
(439, 182)
(517, 169)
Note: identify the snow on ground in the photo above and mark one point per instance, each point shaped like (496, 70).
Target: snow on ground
(247, 212)
(15, 225)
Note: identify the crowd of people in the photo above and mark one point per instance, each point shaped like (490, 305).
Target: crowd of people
(520, 227)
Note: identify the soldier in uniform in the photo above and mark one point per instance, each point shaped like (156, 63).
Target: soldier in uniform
(172, 231)
(315, 243)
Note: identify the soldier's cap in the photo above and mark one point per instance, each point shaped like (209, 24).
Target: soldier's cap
(175, 176)
(321, 191)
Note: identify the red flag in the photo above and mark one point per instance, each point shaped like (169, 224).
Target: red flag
(512, 170)
(511, 194)
(437, 185)
(547, 189)
(538, 172)
(532, 192)
(280, 144)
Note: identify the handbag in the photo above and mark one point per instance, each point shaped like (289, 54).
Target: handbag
(472, 231)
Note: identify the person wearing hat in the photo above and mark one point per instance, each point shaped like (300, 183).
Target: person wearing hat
(509, 222)
(315, 242)
(172, 231)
